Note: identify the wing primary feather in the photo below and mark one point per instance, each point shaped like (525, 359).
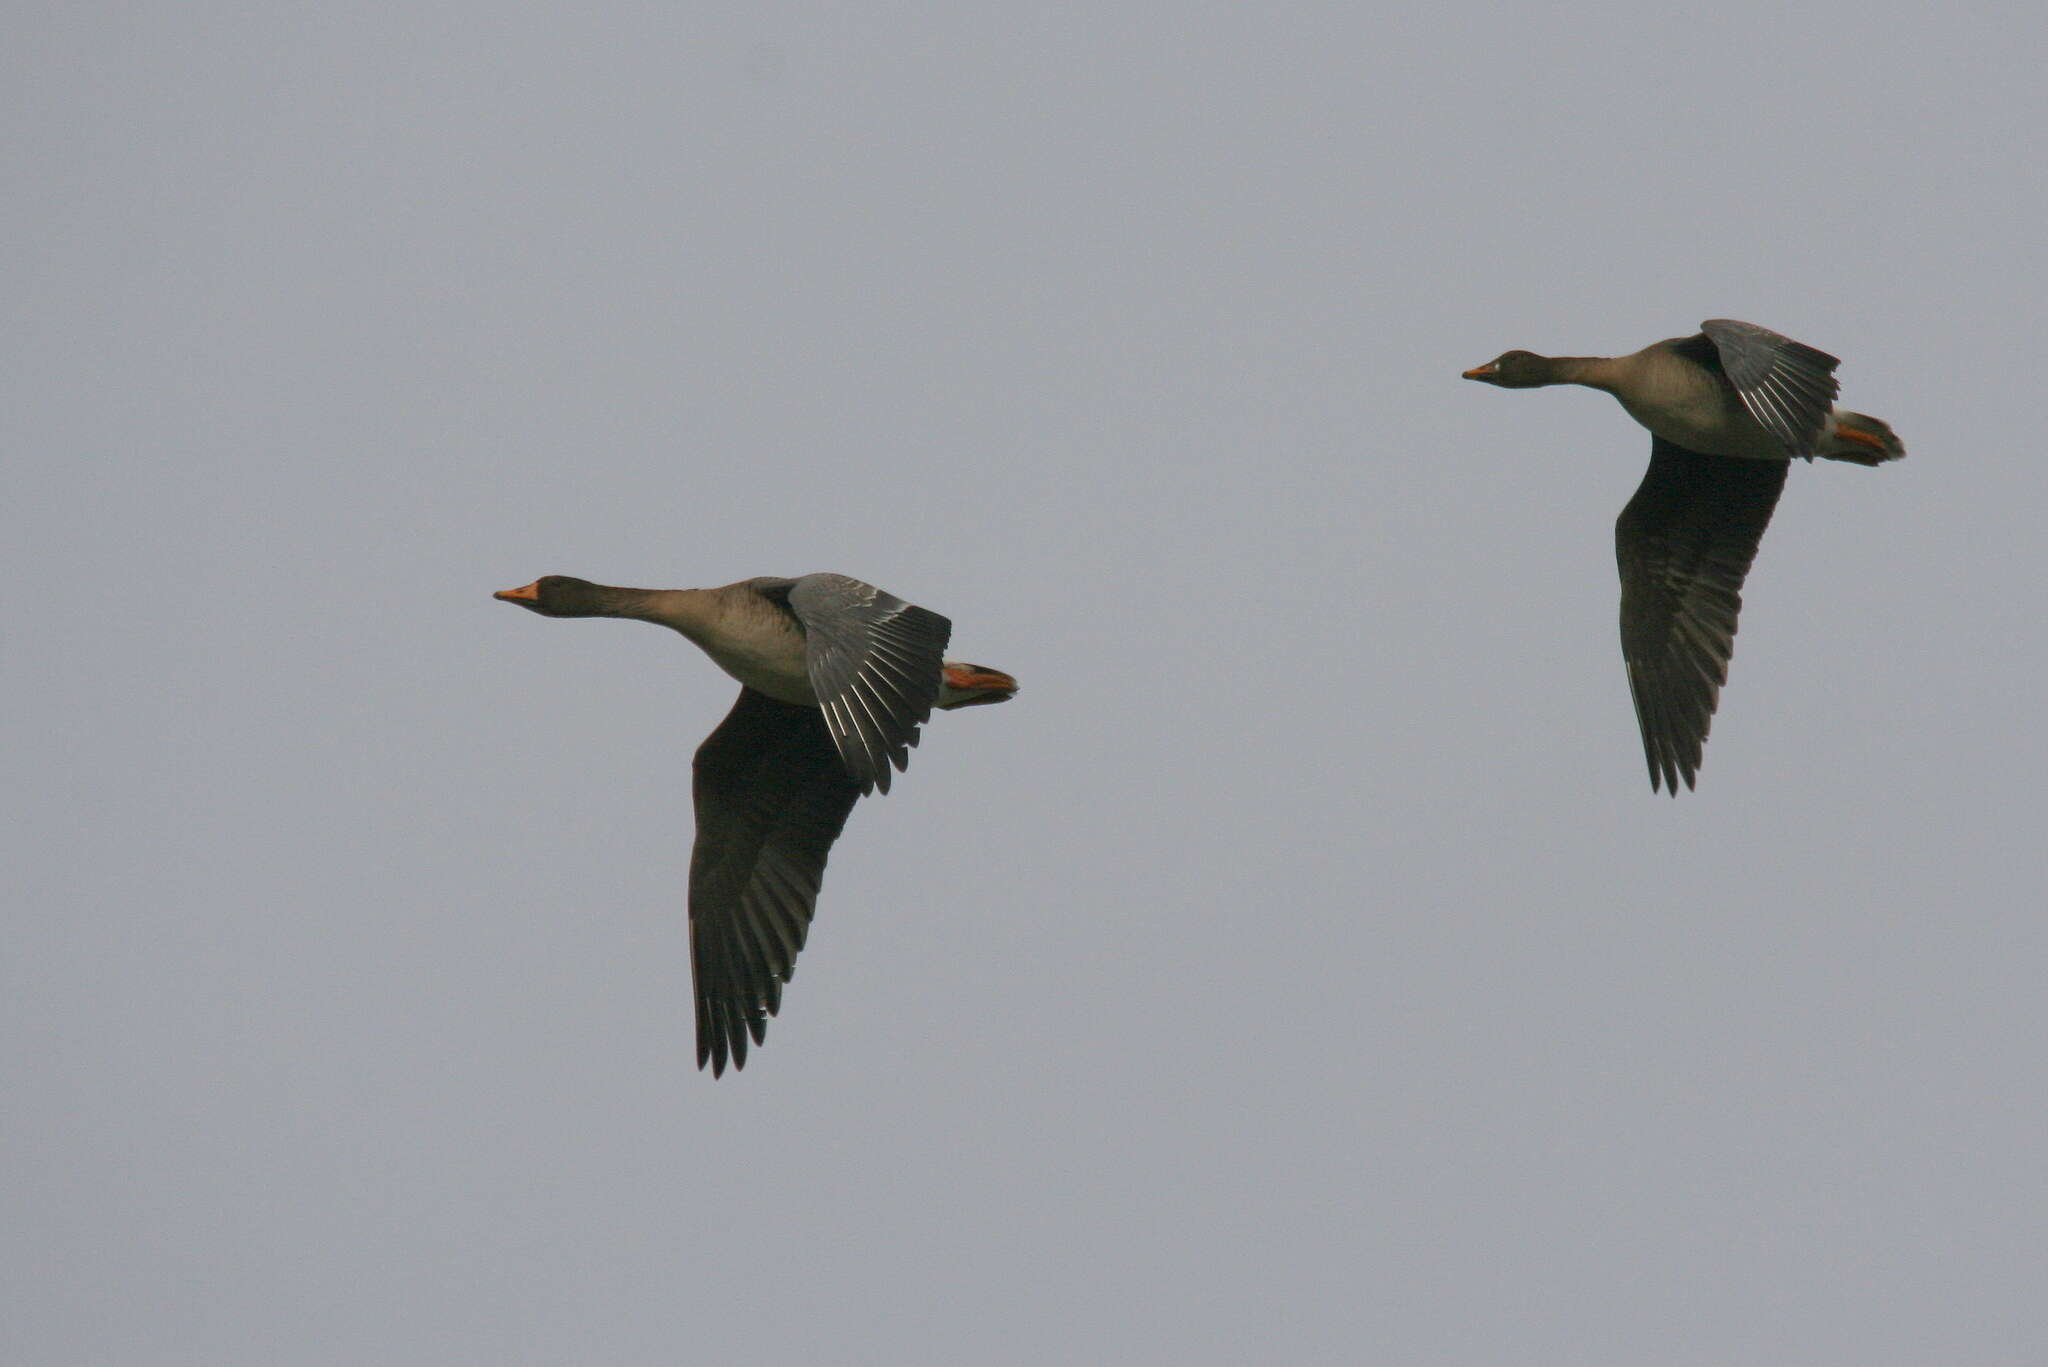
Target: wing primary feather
(1683, 546)
(772, 793)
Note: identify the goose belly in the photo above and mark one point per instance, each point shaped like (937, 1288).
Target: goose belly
(777, 670)
(1711, 423)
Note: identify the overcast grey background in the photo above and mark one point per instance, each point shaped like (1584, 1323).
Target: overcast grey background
(1299, 970)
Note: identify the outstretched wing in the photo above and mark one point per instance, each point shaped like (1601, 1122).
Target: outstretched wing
(1787, 386)
(1684, 545)
(874, 662)
(771, 797)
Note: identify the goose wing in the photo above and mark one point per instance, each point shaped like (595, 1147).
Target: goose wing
(1787, 386)
(1684, 544)
(874, 662)
(771, 797)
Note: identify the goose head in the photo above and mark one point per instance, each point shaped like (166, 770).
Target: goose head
(1515, 370)
(560, 595)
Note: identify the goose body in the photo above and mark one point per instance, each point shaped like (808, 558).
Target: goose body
(835, 677)
(1689, 405)
(1727, 409)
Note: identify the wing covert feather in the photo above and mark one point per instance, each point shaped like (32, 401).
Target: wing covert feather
(1787, 386)
(874, 662)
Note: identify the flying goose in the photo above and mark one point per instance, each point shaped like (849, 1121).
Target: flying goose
(1727, 409)
(836, 677)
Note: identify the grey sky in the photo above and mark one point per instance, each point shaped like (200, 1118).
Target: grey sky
(1299, 970)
